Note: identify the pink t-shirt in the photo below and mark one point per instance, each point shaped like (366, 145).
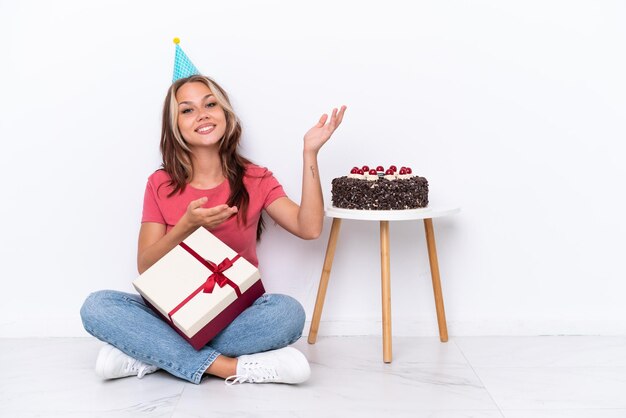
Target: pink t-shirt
(262, 187)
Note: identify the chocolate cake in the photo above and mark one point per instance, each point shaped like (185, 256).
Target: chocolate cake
(380, 189)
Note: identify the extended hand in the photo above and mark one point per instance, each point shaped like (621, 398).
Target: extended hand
(322, 131)
(196, 215)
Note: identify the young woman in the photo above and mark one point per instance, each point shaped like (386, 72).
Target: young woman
(205, 182)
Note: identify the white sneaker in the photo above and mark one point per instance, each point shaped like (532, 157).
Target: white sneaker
(112, 364)
(285, 365)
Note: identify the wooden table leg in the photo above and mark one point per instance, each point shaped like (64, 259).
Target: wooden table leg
(321, 291)
(434, 271)
(386, 289)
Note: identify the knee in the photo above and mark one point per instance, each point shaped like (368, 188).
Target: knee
(292, 315)
(95, 305)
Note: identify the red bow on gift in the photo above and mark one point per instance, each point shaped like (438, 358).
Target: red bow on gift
(217, 276)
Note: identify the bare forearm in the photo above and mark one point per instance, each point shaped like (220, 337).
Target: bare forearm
(311, 213)
(156, 251)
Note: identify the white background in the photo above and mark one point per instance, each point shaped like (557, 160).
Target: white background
(514, 111)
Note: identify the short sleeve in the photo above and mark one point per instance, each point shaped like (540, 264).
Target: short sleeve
(151, 210)
(271, 188)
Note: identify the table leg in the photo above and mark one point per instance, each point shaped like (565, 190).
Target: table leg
(434, 271)
(321, 291)
(386, 289)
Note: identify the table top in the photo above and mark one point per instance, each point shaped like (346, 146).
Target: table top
(391, 215)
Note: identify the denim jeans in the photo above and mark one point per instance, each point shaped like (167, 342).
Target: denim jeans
(124, 321)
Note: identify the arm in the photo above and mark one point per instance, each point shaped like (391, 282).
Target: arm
(306, 220)
(154, 243)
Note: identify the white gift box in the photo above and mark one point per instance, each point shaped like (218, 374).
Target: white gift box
(178, 286)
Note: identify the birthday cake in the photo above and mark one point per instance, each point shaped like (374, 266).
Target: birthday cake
(380, 189)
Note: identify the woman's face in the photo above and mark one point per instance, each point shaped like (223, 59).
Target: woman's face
(201, 120)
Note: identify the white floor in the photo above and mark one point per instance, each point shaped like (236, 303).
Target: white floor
(482, 377)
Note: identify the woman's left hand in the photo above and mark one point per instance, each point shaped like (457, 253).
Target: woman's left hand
(317, 136)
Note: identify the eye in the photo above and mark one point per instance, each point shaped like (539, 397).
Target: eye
(211, 104)
(185, 111)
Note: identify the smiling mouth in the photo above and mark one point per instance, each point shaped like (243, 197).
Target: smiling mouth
(205, 129)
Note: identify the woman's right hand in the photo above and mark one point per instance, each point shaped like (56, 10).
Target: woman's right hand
(196, 215)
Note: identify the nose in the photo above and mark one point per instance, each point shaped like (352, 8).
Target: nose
(204, 114)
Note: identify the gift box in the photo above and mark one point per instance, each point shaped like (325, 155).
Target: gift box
(200, 287)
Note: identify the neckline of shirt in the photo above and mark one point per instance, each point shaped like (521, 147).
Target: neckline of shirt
(221, 185)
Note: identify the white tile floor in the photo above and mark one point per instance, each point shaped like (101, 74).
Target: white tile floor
(481, 377)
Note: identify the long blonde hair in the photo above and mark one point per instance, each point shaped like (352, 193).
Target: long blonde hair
(177, 155)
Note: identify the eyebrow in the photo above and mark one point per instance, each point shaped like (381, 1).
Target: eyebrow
(203, 99)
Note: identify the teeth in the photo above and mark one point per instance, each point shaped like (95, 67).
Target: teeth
(205, 129)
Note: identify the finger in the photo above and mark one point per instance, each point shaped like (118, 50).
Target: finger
(340, 115)
(331, 124)
(212, 211)
(333, 119)
(231, 211)
(197, 203)
(225, 215)
(218, 212)
(322, 120)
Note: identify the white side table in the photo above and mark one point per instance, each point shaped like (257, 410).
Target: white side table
(384, 216)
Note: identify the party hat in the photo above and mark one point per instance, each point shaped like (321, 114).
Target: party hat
(183, 66)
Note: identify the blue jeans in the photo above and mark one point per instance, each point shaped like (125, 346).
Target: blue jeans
(124, 321)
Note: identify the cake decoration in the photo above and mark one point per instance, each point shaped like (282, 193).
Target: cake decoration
(390, 175)
(372, 175)
(356, 173)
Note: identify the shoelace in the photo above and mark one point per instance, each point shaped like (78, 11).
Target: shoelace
(255, 373)
(139, 367)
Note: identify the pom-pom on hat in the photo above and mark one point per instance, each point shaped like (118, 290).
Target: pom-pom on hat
(183, 67)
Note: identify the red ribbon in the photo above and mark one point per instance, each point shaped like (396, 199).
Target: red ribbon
(217, 277)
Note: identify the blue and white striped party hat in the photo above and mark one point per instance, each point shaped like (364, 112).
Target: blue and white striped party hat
(183, 66)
